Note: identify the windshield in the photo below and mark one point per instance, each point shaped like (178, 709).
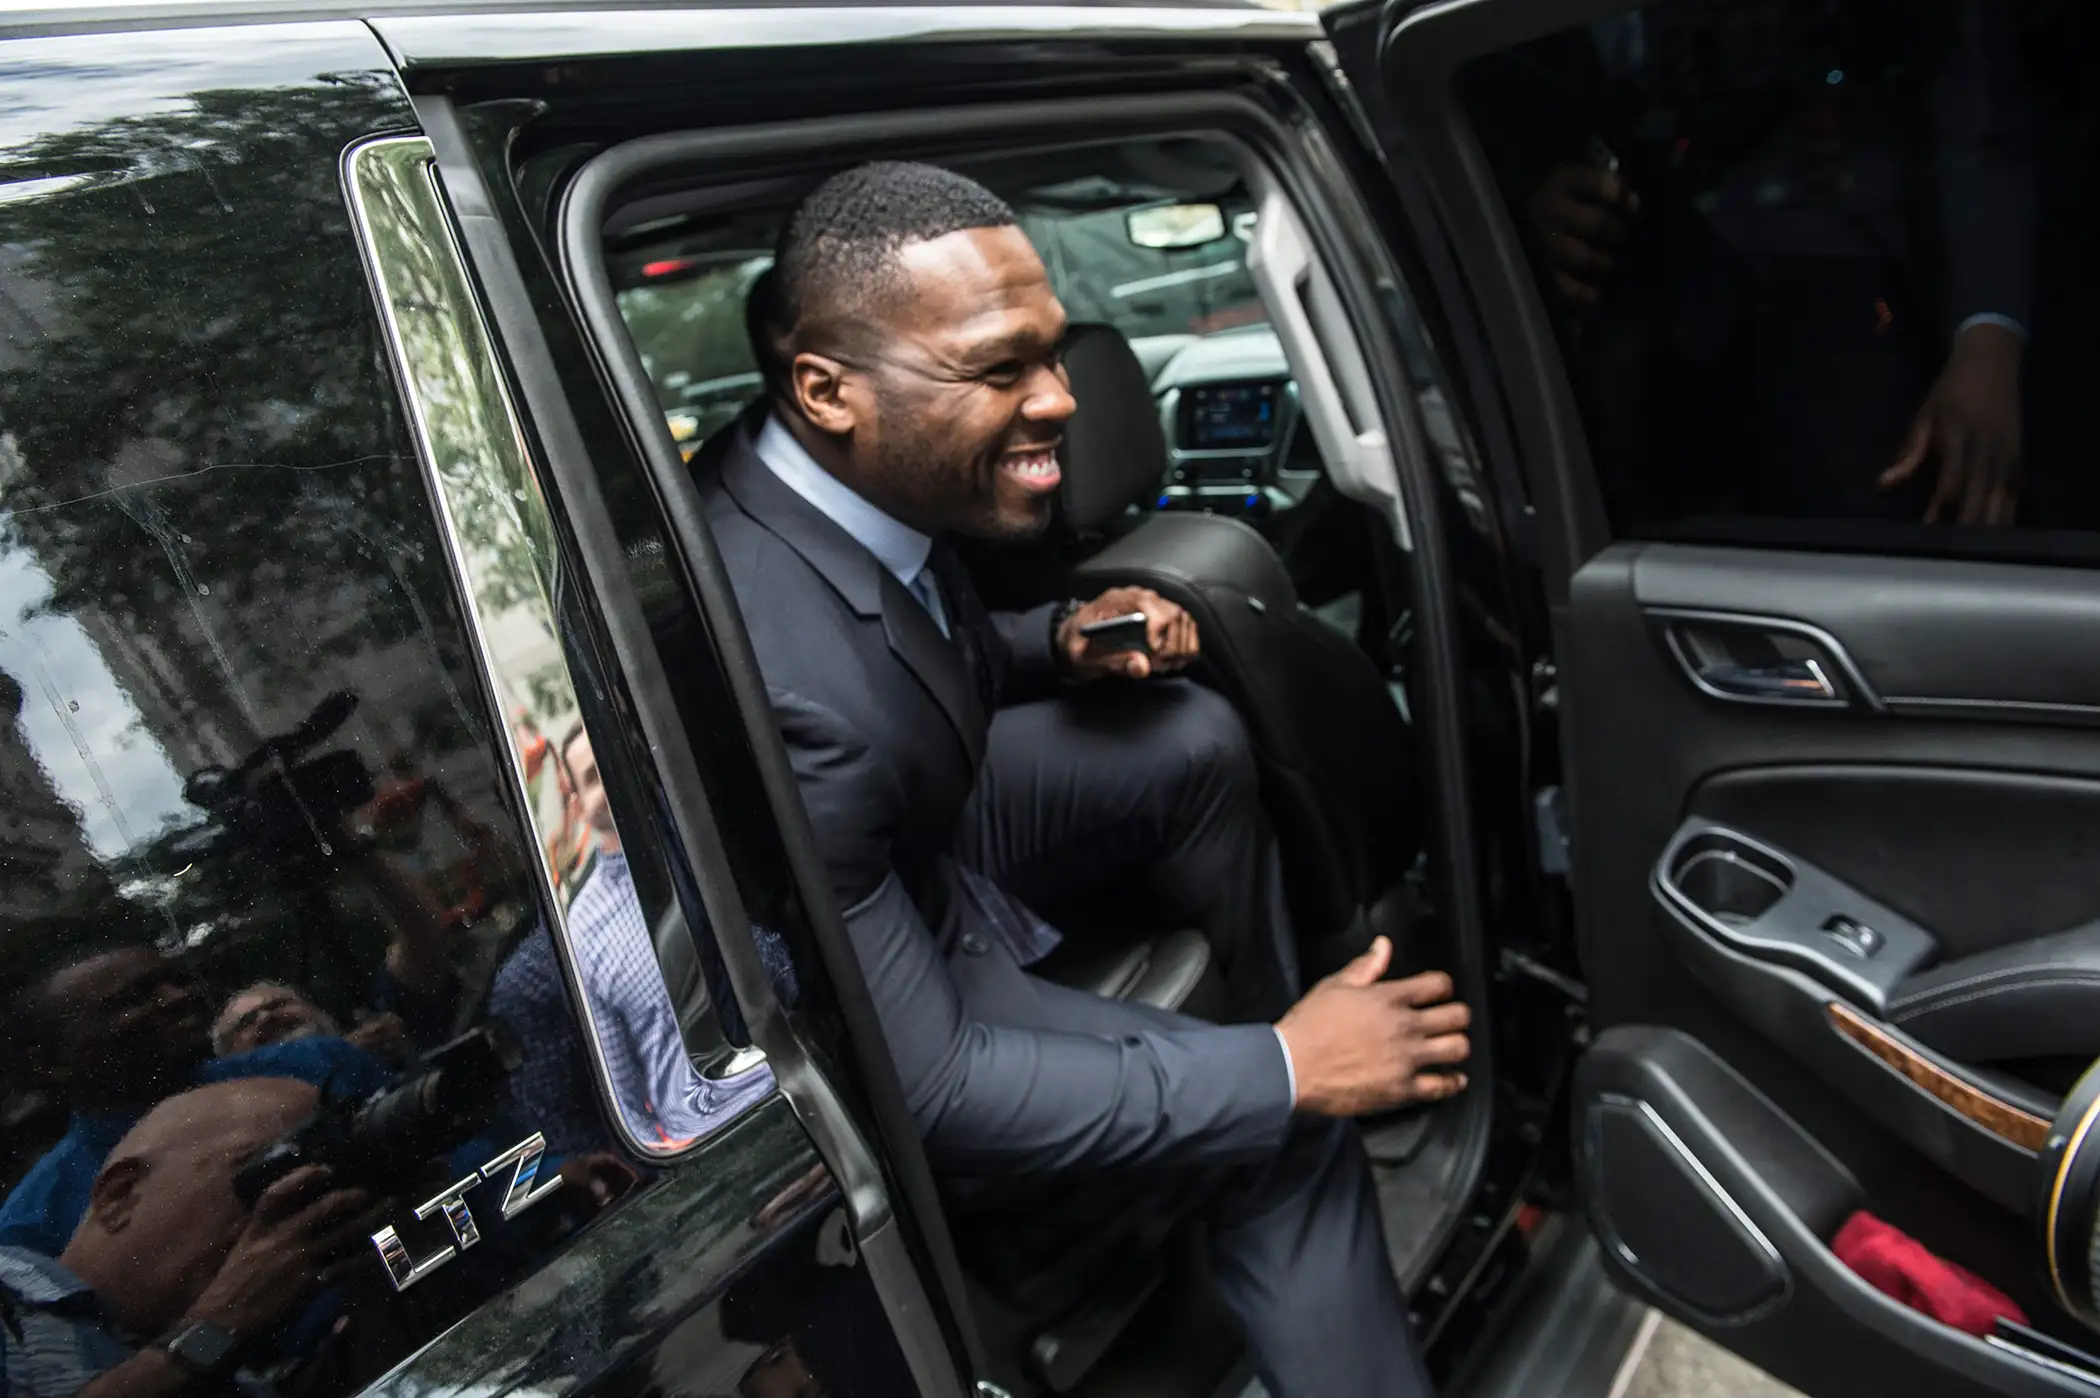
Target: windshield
(1105, 278)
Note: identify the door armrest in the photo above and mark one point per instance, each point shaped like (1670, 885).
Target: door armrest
(2032, 999)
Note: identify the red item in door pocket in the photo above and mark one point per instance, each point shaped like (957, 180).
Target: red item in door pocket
(1898, 1265)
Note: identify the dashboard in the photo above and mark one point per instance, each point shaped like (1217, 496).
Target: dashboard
(1231, 417)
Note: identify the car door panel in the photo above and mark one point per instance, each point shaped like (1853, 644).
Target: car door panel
(1832, 781)
(1964, 843)
(1698, 1182)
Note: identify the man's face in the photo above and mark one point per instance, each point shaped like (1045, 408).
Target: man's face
(164, 1199)
(957, 418)
(588, 786)
(269, 1014)
(136, 1027)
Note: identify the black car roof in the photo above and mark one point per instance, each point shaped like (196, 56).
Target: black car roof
(988, 17)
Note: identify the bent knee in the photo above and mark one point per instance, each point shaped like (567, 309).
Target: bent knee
(1209, 731)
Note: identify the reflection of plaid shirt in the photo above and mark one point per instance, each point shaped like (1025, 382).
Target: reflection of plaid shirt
(652, 1077)
(665, 1101)
(55, 1337)
(552, 1087)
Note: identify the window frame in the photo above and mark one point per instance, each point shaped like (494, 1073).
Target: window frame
(468, 444)
(1292, 148)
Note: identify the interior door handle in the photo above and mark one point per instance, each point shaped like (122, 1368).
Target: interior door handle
(1787, 679)
(1762, 660)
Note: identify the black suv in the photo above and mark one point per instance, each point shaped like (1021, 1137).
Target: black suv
(1626, 464)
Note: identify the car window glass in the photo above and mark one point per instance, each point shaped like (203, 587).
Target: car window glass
(268, 904)
(1819, 269)
(687, 318)
(1106, 277)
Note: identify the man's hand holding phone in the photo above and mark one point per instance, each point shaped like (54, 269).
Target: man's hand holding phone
(1129, 631)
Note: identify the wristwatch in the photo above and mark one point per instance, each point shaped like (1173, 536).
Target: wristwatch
(1059, 616)
(202, 1348)
(1064, 612)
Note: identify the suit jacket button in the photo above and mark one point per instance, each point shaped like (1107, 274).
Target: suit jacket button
(974, 944)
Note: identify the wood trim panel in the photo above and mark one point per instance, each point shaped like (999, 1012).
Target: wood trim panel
(1993, 1114)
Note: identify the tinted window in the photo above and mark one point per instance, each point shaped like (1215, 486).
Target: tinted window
(1821, 269)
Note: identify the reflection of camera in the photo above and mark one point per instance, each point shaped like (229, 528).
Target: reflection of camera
(379, 1140)
(274, 798)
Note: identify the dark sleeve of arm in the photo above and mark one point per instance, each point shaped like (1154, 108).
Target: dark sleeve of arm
(989, 1096)
(1026, 636)
(1984, 164)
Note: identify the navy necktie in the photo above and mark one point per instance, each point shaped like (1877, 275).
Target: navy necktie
(969, 625)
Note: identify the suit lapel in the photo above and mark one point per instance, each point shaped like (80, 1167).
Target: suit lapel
(936, 660)
(870, 589)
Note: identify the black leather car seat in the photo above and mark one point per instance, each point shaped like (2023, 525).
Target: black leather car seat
(1337, 758)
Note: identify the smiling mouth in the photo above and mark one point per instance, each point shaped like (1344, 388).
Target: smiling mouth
(1035, 469)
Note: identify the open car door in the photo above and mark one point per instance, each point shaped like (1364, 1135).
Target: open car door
(1791, 303)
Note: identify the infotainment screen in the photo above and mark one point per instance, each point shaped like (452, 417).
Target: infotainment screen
(1228, 417)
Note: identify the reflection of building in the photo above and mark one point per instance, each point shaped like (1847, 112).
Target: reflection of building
(26, 306)
(47, 872)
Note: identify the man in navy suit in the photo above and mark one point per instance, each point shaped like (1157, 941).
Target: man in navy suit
(910, 337)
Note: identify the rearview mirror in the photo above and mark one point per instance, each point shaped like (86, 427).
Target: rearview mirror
(1169, 227)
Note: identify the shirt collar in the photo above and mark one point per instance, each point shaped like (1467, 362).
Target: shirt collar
(897, 546)
(37, 1279)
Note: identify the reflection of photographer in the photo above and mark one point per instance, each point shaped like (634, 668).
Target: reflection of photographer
(390, 1134)
(283, 817)
(269, 1013)
(1843, 244)
(109, 1036)
(278, 804)
(170, 1252)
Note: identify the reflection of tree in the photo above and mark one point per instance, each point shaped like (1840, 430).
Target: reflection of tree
(150, 370)
(205, 454)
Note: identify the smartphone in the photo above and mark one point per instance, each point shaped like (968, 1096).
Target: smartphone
(1115, 634)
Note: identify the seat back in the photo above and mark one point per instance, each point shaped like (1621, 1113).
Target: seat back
(1337, 759)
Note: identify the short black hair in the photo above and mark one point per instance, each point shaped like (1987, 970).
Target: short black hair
(837, 258)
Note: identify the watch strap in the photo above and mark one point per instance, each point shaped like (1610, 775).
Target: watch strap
(1063, 613)
(201, 1347)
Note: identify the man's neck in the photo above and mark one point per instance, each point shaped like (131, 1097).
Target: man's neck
(830, 453)
(106, 1277)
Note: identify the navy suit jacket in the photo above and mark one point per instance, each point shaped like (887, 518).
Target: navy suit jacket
(886, 732)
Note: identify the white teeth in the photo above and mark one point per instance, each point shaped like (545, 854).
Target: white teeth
(1038, 465)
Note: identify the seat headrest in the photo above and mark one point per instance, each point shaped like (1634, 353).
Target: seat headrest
(1115, 452)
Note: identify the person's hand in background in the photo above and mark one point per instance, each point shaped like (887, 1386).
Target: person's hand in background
(1580, 216)
(1969, 425)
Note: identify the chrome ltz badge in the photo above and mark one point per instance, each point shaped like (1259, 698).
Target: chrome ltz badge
(523, 1191)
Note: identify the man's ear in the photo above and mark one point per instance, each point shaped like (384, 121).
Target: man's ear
(818, 385)
(114, 1195)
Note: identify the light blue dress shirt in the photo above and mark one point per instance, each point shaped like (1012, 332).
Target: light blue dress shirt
(896, 546)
